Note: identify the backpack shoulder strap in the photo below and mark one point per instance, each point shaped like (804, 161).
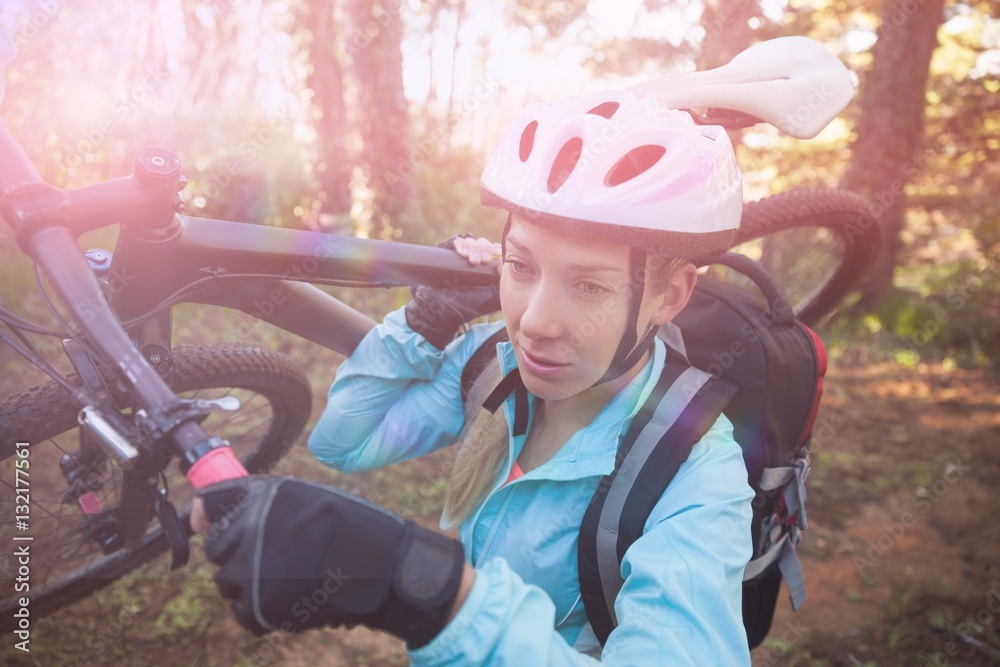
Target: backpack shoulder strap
(684, 404)
(484, 355)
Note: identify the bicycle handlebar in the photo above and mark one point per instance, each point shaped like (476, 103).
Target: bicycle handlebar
(47, 221)
(148, 196)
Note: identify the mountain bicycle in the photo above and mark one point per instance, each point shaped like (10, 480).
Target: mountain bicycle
(103, 491)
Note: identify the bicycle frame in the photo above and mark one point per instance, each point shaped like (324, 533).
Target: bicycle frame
(247, 266)
(159, 255)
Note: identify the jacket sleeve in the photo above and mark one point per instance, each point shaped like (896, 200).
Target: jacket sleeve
(682, 599)
(396, 397)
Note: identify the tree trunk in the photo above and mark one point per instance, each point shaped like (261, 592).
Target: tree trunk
(329, 115)
(375, 47)
(727, 31)
(891, 103)
(459, 17)
(434, 13)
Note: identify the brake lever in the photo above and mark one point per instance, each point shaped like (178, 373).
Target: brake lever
(225, 403)
(173, 527)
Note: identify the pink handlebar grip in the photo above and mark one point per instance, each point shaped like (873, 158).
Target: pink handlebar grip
(218, 465)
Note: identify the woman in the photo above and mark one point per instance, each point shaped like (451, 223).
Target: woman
(605, 193)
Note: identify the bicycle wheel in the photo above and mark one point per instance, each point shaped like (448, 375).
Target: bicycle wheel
(817, 244)
(66, 562)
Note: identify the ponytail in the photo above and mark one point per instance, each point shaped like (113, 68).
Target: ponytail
(482, 451)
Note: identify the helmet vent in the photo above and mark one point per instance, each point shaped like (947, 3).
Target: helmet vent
(637, 161)
(564, 163)
(527, 140)
(605, 109)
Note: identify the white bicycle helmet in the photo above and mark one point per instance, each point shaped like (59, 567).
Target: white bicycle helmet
(623, 166)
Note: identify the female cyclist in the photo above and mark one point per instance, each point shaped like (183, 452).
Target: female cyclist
(608, 195)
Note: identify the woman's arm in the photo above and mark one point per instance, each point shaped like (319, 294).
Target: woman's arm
(396, 397)
(681, 602)
(694, 551)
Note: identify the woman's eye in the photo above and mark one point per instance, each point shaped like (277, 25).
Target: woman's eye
(517, 266)
(591, 289)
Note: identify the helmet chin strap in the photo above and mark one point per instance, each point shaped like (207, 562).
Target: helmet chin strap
(628, 354)
(630, 348)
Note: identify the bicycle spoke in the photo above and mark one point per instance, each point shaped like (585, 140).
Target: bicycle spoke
(58, 446)
(67, 554)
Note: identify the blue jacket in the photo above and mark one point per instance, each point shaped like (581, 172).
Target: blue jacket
(398, 397)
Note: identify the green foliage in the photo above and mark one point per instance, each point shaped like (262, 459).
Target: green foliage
(190, 610)
(233, 100)
(449, 199)
(422, 498)
(777, 646)
(952, 312)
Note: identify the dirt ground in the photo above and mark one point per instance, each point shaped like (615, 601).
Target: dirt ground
(901, 557)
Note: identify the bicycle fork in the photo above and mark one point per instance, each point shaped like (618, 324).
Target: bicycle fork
(106, 434)
(140, 497)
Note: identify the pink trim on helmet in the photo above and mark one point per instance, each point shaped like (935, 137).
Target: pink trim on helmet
(699, 173)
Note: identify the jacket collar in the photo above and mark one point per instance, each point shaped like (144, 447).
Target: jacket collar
(592, 450)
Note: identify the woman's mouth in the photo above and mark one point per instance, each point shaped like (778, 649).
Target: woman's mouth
(537, 365)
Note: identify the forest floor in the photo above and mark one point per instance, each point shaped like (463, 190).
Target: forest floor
(901, 556)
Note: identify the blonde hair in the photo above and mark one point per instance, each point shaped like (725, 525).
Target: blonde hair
(482, 450)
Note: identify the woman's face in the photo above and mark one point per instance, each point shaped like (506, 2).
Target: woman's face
(565, 301)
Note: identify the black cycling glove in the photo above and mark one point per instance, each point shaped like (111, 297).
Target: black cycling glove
(296, 555)
(436, 313)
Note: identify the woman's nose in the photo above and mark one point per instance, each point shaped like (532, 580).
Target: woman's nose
(542, 317)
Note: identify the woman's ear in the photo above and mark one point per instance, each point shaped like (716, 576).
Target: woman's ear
(675, 297)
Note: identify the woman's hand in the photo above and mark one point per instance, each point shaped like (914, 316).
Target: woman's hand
(294, 555)
(437, 313)
(477, 250)
(199, 521)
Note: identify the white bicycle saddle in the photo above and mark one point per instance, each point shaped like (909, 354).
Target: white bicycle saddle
(793, 83)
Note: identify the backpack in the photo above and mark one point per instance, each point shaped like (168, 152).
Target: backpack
(729, 352)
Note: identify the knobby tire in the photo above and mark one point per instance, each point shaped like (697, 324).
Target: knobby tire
(42, 414)
(842, 219)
